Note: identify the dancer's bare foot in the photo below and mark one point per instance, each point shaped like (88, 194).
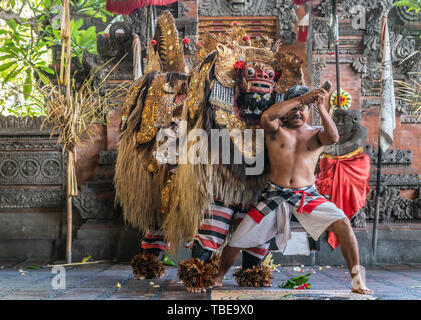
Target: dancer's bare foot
(196, 289)
(358, 286)
(362, 291)
(218, 281)
(139, 277)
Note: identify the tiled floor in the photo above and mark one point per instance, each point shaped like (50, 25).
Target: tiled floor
(99, 282)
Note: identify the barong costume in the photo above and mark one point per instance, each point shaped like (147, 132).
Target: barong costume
(175, 203)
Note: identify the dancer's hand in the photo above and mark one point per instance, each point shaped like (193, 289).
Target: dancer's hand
(316, 95)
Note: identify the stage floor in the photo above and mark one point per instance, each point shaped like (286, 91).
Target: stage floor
(114, 281)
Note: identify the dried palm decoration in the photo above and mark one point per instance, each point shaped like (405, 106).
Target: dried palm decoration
(70, 115)
(196, 273)
(146, 265)
(71, 120)
(257, 277)
(410, 92)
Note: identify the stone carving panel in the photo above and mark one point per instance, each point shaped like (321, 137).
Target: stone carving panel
(31, 168)
(284, 9)
(393, 207)
(408, 16)
(400, 181)
(31, 198)
(94, 207)
(368, 61)
(318, 66)
(391, 157)
(411, 119)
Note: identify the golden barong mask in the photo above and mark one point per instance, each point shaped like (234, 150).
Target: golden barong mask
(285, 64)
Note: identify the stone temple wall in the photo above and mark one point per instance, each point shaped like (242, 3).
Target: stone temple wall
(32, 197)
(360, 70)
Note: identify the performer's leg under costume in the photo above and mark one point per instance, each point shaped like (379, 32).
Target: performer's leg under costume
(147, 264)
(154, 242)
(215, 228)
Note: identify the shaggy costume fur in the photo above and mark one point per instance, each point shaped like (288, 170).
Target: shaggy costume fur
(196, 273)
(146, 265)
(138, 190)
(195, 186)
(254, 277)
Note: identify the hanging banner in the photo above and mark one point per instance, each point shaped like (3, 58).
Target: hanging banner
(387, 105)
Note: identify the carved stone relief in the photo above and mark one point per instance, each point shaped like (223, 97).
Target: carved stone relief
(392, 208)
(31, 198)
(400, 181)
(391, 157)
(182, 9)
(318, 67)
(31, 168)
(414, 119)
(284, 9)
(95, 199)
(408, 17)
(88, 205)
(31, 165)
(368, 61)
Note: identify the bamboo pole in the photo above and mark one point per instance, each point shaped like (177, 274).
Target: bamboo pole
(77, 263)
(69, 226)
(71, 191)
(65, 65)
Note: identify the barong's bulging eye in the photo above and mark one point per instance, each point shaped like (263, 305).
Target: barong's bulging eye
(271, 75)
(250, 71)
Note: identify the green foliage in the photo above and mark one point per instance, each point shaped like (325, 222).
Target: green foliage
(34, 267)
(25, 48)
(411, 4)
(167, 261)
(296, 282)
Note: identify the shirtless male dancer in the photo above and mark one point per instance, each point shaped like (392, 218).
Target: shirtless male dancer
(294, 148)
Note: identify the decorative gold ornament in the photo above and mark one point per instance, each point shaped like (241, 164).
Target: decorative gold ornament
(166, 195)
(153, 165)
(170, 50)
(129, 101)
(289, 65)
(206, 47)
(195, 94)
(224, 65)
(148, 129)
(154, 62)
(263, 42)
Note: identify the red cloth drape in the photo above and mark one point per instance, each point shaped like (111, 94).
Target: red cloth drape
(346, 182)
(128, 6)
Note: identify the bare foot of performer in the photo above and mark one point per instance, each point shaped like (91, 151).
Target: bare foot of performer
(349, 248)
(197, 290)
(294, 148)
